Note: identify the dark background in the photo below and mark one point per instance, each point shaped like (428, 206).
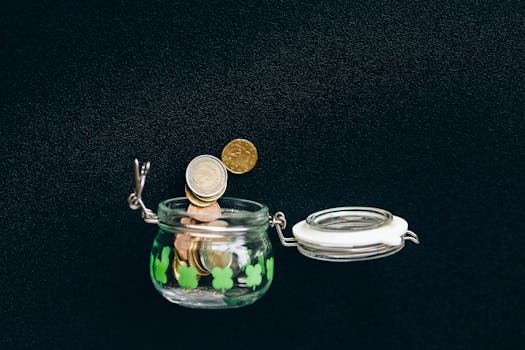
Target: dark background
(416, 107)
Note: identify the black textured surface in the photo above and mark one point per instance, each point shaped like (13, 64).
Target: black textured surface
(415, 107)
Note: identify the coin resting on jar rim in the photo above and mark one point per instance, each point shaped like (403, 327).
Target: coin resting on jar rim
(239, 156)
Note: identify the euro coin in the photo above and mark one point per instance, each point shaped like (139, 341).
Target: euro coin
(182, 244)
(205, 214)
(239, 156)
(194, 258)
(206, 176)
(213, 257)
(196, 200)
(176, 263)
(209, 200)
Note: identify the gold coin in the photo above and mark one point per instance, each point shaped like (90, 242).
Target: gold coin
(194, 258)
(195, 200)
(176, 263)
(239, 156)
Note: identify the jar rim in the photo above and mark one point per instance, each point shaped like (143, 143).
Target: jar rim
(343, 219)
(239, 213)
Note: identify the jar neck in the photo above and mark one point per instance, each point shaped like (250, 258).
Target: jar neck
(210, 231)
(238, 216)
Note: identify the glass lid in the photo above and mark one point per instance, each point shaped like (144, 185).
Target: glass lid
(348, 219)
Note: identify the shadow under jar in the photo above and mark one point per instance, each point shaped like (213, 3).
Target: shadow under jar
(225, 262)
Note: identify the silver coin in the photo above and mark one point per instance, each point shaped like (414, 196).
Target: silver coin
(215, 255)
(206, 176)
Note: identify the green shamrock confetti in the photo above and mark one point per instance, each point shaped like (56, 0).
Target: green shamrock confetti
(269, 269)
(188, 277)
(160, 266)
(222, 278)
(253, 275)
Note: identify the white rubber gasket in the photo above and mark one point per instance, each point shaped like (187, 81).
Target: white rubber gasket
(389, 234)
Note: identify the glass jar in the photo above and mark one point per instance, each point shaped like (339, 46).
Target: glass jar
(226, 262)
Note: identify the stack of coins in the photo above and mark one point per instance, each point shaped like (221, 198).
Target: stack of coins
(206, 182)
(188, 253)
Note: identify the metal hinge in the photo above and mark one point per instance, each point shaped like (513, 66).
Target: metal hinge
(135, 199)
(278, 220)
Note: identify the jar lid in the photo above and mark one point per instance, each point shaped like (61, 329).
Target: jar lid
(351, 234)
(351, 227)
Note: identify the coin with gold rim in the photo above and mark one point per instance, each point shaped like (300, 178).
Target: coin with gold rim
(206, 176)
(195, 200)
(239, 156)
(194, 258)
(209, 200)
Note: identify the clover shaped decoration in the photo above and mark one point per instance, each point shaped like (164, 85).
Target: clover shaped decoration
(159, 266)
(188, 277)
(269, 269)
(253, 275)
(222, 278)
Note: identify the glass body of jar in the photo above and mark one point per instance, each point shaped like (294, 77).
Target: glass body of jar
(224, 262)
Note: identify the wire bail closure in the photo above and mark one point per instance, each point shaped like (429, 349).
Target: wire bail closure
(278, 220)
(135, 198)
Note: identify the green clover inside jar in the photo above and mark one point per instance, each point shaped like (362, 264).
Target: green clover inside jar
(226, 262)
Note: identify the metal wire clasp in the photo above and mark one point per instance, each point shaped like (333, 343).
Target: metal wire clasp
(135, 199)
(278, 220)
(411, 236)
